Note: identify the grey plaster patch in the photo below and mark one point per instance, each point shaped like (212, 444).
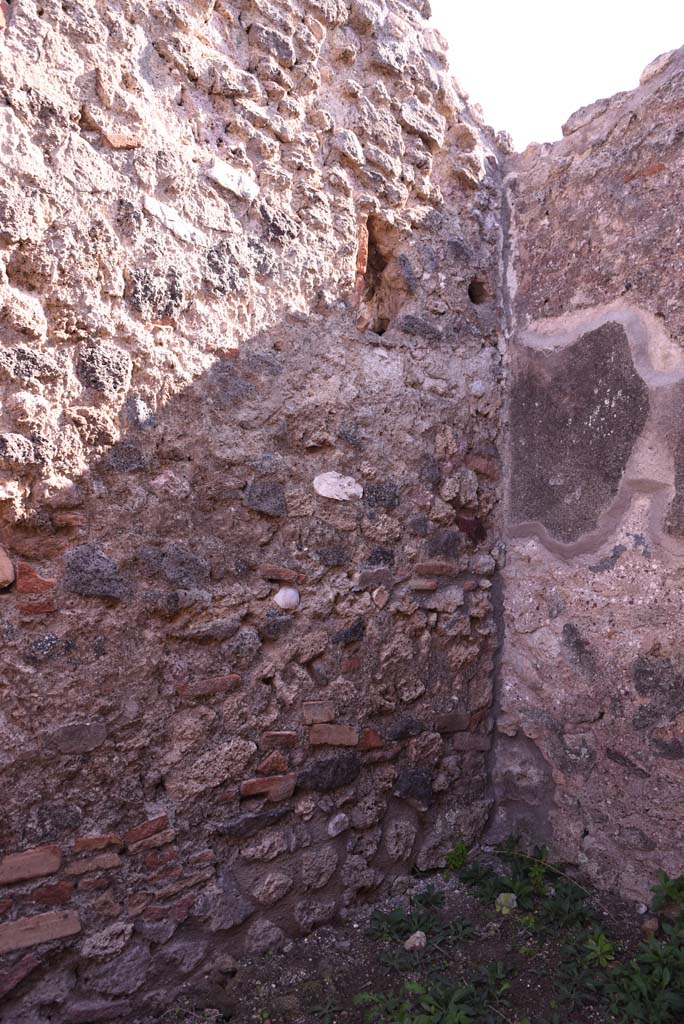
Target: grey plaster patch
(576, 415)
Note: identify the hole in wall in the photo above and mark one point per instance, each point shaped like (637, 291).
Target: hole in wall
(478, 292)
(384, 290)
(377, 262)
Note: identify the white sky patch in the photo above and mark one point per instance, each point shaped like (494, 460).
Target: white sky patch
(530, 64)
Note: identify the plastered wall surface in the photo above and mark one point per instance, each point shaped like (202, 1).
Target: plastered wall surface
(590, 746)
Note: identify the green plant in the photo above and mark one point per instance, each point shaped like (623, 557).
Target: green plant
(600, 951)
(577, 982)
(398, 924)
(668, 893)
(649, 989)
(457, 857)
(565, 908)
(438, 1003)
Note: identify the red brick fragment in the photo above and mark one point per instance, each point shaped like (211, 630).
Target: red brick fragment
(17, 972)
(5, 905)
(69, 520)
(478, 717)
(279, 739)
(318, 711)
(179, 911)
(103, 862)
(147, 828)
(333, 736)
(204, 857)
(123, 140)
(152, 842)
(371, 739)
(361, 264)
(275, 763)
(207, 687)
(436, 568)
(20, 867)
(229, 794)
(154, 914)
(31, 931)
(29, 582)
(87, 844)
(281, 574)
(136, 905)
(93, 884)
(472, 526)
(273, 787)
(646, 172)
(53, 895)
(169, 873)
(157, 858)
(186, 883)
(427, 585)
(469, 586)
(465, 741)
(484, 466)
(379, 756)
(46, 606)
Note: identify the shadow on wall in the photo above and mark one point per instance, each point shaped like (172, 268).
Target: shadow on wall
(238, 706)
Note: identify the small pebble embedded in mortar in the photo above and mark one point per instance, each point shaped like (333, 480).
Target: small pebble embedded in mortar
(287, 598)
(6, 570)
(334, 485)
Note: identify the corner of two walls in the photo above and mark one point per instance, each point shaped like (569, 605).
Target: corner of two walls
(590, 730)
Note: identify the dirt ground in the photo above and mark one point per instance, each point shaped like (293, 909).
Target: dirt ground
(318, 979)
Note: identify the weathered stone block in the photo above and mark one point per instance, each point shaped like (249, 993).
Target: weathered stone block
(79, 738)
(104, 367)
(331, 772)
(90, 573)
(271, 888)
(318, 868)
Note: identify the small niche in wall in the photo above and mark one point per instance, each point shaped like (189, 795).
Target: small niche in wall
(478, 291)
(384, 287)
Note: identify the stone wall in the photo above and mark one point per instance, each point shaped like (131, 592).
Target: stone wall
(249, 474)
(590, 746)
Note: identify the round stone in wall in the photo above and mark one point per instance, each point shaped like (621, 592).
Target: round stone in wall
(334, 485)
(6, 570)
(287, 598)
